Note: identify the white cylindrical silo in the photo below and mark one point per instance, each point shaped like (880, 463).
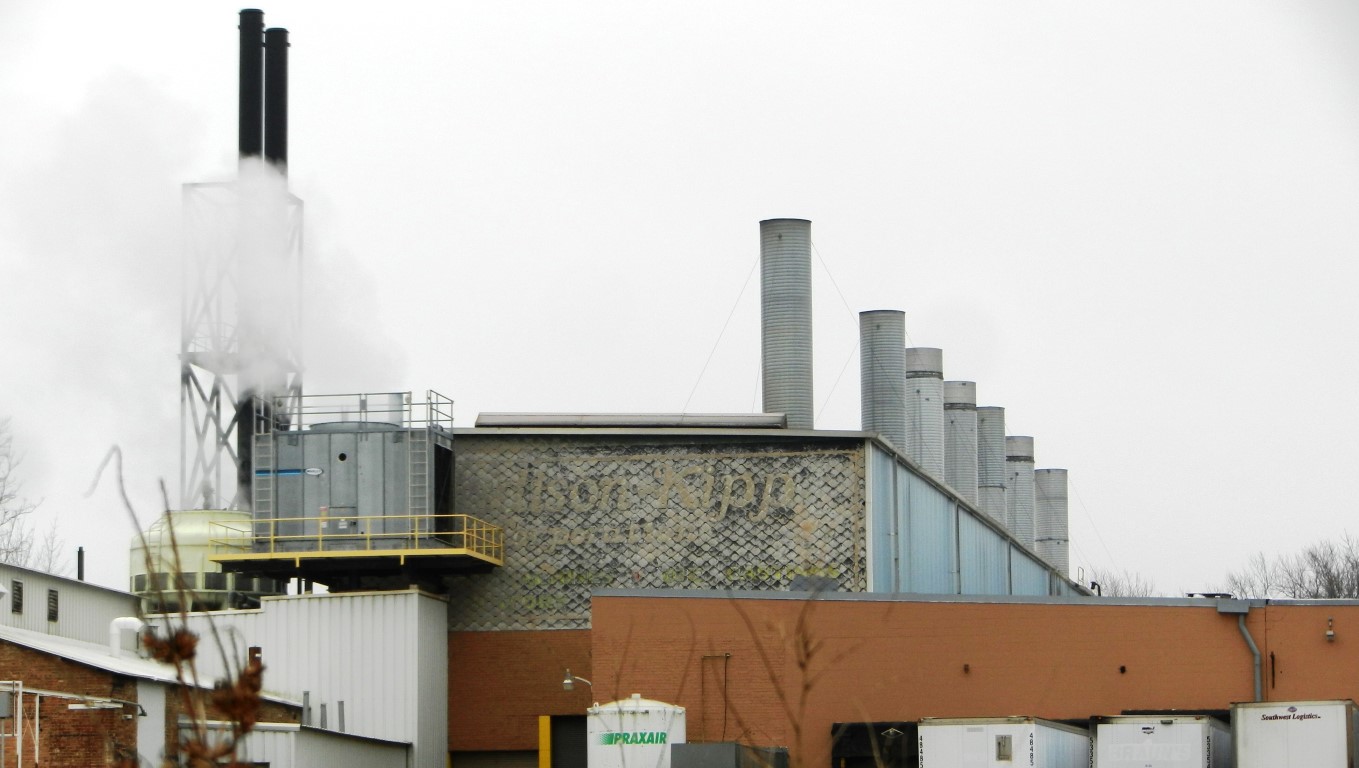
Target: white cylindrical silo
(786, 318)
(925, 408)
(991, 463)
(1019, 488)
(882, 374)
(1051, 540)
(960, 438)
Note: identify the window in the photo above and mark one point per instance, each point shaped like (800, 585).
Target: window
(16, 596)
(51, 605)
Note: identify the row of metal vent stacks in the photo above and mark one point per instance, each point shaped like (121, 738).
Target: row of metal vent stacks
(905, 399)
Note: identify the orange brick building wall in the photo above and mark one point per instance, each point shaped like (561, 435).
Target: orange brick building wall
(500, 682)
(782, 671)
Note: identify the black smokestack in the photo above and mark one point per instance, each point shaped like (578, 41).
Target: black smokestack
(276, 97)
(251, 132)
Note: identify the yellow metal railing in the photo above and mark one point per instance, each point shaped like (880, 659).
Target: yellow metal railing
(428, 534)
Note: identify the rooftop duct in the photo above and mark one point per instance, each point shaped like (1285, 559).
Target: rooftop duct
(991, 462)
(786, 319)
(960, 438)
(1051, 540)
(925, 408)
(882, 374)
(1019, 488)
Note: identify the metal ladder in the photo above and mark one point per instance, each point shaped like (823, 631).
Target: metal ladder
(417, 480)
(262, 485)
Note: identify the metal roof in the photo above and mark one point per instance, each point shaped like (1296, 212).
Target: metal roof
(709, 420)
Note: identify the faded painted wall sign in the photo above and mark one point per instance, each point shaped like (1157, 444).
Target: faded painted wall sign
(585, 513)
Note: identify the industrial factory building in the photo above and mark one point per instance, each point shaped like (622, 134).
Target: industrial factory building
(788, 586)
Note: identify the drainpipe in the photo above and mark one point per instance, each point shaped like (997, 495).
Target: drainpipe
(1241, 608)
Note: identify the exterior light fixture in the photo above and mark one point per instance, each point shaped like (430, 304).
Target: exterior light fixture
(1330, 629)
(569, 682)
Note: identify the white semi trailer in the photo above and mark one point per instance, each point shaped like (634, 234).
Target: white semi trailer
(1295, 734)
(1002, 742)
(1162, 741)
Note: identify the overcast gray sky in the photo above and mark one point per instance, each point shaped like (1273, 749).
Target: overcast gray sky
(1133, 225)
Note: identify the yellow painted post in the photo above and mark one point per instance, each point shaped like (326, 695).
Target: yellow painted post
(544, 741)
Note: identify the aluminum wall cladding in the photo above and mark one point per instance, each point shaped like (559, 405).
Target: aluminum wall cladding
(281, 745)
(960, 438)
(84, 610)
(786, 318)
(384, 654)
(925, 408)
(991, 463)
(1019, 496)
(1051, 540)
(882, 374)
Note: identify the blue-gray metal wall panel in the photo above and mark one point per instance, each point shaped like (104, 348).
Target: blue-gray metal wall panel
(1027, 576)
(982, 558)
(931, 563)
(883, 526)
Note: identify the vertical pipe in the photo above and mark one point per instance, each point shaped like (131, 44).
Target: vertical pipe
(250, 132)
(1050, 521)
(960, 438)
(80, 563)
(1019, 488)
(276, 97)
(786, 319)
(882, 374)
(991, 462)
(925, 408)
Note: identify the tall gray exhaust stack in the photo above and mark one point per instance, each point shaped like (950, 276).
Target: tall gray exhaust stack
(960, 438)
(925, 408)
(991, 468)
(1051, 540)
(882, 374)
(786, 318)
(1019, 491)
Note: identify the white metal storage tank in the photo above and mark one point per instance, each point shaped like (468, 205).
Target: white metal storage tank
(632, 733)
(1162, 741)
(1051, 541)
(1019, 488)
(1002, 742)
(1295, 734)
(925, 408)
(960, 438)
(991, 462)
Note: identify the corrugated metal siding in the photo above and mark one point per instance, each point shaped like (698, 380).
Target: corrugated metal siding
(925, 408)
(1027, 576)
(991, 462)
(1019, 488)
(373, 651)
(931, 553)
(1060, 748)
(320, 749)
(83, 610)
(960, 438)
(982, 558)
(786, 324)
(882, 522)
(882, 373)
(272, 747)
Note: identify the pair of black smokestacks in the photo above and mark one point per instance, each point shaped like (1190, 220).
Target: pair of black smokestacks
(263, 131)
(264, 90)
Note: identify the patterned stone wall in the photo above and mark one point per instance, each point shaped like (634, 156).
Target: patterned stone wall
(676, 512)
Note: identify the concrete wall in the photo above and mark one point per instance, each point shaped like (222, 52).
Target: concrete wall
(895, 659)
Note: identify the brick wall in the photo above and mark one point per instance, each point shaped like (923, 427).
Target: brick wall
(797, 667)
(68, 737)
(500, 682)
